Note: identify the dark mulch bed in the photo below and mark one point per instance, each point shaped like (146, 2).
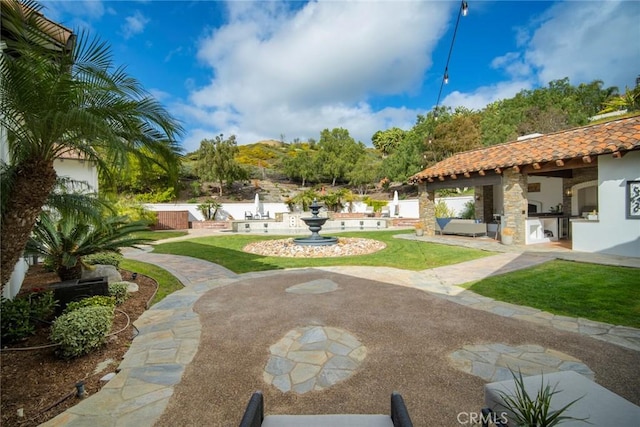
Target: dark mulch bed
(43, 385)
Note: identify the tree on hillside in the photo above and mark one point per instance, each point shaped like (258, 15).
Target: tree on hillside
(148, 174)
(556, 107)
(457, 132)
(216, 161)
(388, 140)
(337, 153)
(301, 164)
(629, 101)
(363, 173)
(58, 100)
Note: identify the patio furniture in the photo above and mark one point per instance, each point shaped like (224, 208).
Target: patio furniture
(254, 417)
(248, 215)
(369, 211)
(601, 406)
(460, 226)
(385, 212)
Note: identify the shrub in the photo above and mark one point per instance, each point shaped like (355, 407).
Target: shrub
(42, 305)
(443, 211)
(82, 330)
(104, 258)
(118, 290)
(16, 321)
(94, 301)
(469, 211)
(20, 314)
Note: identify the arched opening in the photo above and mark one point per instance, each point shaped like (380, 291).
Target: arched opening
(584, 198)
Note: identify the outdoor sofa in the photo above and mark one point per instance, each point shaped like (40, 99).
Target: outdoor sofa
(254, 417)
(468, 227)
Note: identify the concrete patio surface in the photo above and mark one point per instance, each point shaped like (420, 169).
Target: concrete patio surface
(202, 350)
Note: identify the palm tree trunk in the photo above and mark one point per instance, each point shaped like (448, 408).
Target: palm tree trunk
(34, 180)
(70, 273)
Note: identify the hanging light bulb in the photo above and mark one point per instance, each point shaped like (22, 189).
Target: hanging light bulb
(465, 8)
(446, 77)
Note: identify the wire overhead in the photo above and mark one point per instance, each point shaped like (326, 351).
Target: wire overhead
(464, 9)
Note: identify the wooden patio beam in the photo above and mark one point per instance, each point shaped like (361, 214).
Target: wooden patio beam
(559, 162)
(586, 159)
(481, 173)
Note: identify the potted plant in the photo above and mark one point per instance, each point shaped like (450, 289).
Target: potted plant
(419, 226)
(528, 410)
(507, 236)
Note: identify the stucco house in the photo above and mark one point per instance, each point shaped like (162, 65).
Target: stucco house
(69, 164)
(582, 185)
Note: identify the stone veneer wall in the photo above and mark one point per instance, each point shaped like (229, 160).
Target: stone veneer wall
(514, 187)
(484, 203)
(427, 208)
(478, 192)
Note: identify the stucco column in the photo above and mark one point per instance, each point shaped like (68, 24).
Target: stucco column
(427, 209)
(514, 187)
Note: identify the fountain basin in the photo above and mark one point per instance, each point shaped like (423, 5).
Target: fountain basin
(315, 224)
(316, 241)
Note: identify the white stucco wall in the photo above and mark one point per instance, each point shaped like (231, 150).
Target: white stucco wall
(456, 204)
(407, 209)
(78, 170)
(550, 194)
(613, 233)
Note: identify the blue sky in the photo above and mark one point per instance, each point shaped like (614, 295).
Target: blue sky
(260, 70)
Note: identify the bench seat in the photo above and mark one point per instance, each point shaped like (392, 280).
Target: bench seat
(460, 226)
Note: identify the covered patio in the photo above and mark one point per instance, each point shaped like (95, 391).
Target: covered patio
(573, 185)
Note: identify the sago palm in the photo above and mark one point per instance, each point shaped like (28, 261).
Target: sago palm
(55, 101)
(65, 240)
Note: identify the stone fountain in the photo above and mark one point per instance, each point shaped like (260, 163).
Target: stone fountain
(315, 224)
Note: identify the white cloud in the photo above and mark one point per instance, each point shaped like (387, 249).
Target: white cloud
(134, 24)
(87, 9)
(584, 41)
(485, 95)
(298, 71)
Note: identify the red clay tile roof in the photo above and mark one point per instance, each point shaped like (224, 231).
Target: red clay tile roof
(594, 140)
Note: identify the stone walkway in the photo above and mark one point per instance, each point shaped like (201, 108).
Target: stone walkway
(170, 332)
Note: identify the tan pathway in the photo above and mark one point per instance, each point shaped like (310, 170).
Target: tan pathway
(170, 331)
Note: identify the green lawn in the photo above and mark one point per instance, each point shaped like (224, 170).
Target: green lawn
(596, 292)
(400, 253)
(167, 283)
(159, 235)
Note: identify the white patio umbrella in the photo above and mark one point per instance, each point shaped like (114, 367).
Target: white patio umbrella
(256, 204)
(395, 203)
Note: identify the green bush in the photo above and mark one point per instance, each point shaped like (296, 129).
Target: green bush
(81, 331)
(118, 290)
(443, 211)
(19, 315)
(16, 321)
(94, 301)
(469, 211)
(104, 258)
